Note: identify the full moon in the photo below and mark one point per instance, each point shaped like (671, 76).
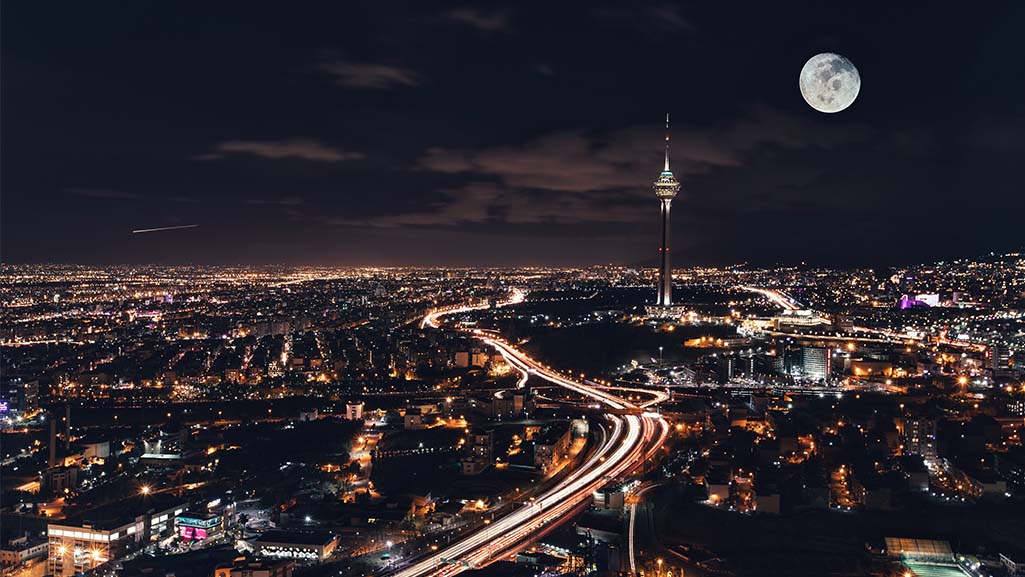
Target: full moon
(829, 82)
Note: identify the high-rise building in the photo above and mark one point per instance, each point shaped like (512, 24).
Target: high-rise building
(481, 454)
(789, 359)
(815, 363)
(666, 188)
(998, 357)
(60, 435)
(919, 434)
(483, 445)
(732, 366)
(354, 411)
(19, 395)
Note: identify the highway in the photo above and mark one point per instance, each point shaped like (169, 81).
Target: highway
(787, 302)
(632, 533)
(634, 437)
(778, 298)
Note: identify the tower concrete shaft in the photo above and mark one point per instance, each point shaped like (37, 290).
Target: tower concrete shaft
(665, 270)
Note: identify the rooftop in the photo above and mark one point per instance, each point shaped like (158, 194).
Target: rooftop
(114, 515)
(316, 538)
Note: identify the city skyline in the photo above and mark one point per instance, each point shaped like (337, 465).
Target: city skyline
(483, 137)
(421, 422)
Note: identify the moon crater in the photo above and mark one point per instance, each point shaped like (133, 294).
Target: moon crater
(829, 82)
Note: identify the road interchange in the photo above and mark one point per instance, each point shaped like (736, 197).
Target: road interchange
(635, 435)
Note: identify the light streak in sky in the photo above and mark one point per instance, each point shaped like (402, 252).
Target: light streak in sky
(158, 229)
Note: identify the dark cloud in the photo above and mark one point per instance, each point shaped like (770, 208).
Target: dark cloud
(289, 201)
(302, 148)
(370, 75)
(469, 204)
(557, 178)
(670, 16)
(104, 193)
(484, 202)
(481, 20)
(1003, 135)
(545, 69)
(646, 17)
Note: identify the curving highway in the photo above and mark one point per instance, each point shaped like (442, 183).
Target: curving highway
(634, 437)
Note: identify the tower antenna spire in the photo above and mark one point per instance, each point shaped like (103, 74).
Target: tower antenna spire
(667, 142)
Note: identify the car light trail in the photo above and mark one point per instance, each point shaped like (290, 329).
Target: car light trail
(634, 438)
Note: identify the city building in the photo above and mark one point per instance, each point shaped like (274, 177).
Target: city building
(481, 452)
(354, 411)
(60, 435)
(413, 419)
(791, 320)
(18, 396)
(20, 549)
(199, 526)
(1013, 562)
(507, 404)
(919, 550)
(919, 434)
(109, 532)
(731, 366)
(312, 545)
(551, 445)
(816, 363)
(483, 445)
(611, 496)
(998, 357)
(243, 567)
(59, 480)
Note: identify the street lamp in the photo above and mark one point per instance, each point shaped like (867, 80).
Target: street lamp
(659, 567)
(487, 535)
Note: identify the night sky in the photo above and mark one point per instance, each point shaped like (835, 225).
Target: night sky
(465, 134)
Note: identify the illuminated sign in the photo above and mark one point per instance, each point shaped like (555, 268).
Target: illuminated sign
(207, 523)
(197, 529)
(192, 533)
